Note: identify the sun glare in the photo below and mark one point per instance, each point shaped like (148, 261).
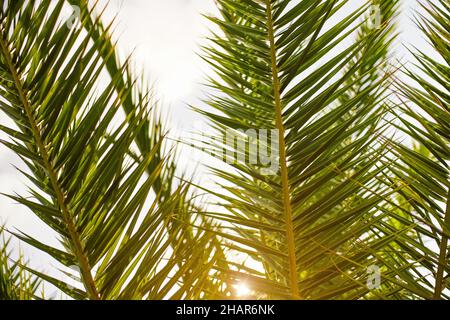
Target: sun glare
(242, 289)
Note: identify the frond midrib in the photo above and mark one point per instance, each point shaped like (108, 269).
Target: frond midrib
(290, 239)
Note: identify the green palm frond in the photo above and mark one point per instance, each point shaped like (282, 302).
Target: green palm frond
(88, 185)
(316, 198)
(150, 136)
(16, 283)
(152, 132)
(424, 170)
(316, 224)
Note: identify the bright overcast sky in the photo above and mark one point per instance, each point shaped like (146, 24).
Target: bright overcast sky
(165, 36)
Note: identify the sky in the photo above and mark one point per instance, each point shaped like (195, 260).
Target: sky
(165, 38)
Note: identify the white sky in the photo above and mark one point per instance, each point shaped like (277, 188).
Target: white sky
(165, 36)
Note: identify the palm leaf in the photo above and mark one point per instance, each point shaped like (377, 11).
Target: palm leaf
(424, 170)
(89, 187)
(315, 225)
(152, 132)
(146, 142)
(16, 283)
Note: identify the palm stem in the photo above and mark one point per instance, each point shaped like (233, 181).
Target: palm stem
(67, 215)
(283, 161)
(442, 253)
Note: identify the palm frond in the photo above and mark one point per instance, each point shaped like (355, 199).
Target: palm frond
(153, 130)
(150, 136)
(315, 224)
(78, 146)
(424, 170)
(16, 283)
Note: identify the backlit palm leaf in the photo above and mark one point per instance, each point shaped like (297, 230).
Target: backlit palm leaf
(315, 226)
(16, 283)
(88, 186)
(425, 171)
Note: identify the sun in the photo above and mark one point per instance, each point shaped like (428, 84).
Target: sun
(242, 289)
